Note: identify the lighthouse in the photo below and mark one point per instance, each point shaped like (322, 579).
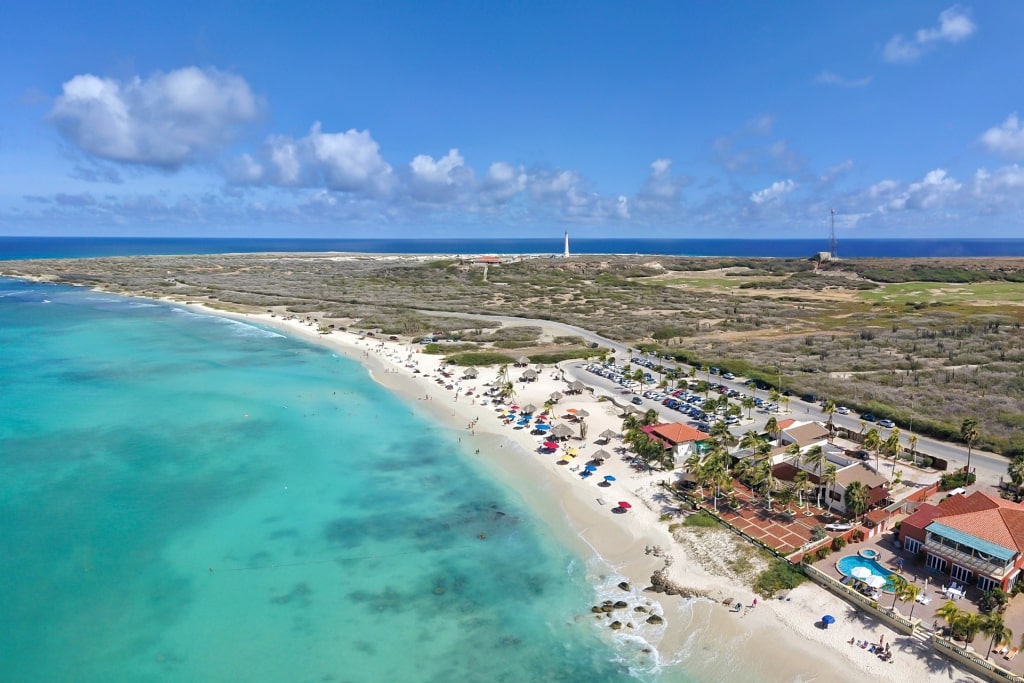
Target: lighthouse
(565, 252)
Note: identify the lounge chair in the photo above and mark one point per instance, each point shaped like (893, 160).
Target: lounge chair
(1011, 654)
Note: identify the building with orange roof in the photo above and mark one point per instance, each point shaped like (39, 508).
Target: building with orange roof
(682, 439)
(976, 539)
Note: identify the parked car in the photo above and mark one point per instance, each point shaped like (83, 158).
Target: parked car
(728, 375)
(838, 526)
(868, 417)
(888, 424)
(861, 455)
(843, 410)
(809, 398)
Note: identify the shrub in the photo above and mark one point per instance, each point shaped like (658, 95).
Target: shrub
(780, 576)
(701, 519)
(857, 536)
(823, 552)
(838, 543)
(956, 479)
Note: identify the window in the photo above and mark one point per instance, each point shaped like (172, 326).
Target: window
(835, 496)
(912, 545)
(935, 562)
(985, 583)
(961, 574)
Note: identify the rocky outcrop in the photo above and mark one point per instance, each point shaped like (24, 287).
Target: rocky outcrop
(661, 583)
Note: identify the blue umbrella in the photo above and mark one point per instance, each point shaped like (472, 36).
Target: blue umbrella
(590, 468)
(828, 619)
(542, 428)
(609, 477)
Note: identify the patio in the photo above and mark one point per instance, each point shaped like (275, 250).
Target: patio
(913, 570)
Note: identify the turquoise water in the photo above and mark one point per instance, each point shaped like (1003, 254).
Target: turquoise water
(848, 563)
(187, 498)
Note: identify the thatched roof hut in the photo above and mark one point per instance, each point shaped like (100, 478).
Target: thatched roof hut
(471, 373)
(561, 431)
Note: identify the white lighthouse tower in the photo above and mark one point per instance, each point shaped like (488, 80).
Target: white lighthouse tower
(565, 252)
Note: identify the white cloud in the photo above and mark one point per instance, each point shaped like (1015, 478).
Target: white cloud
(1007, 139)
(166, 120)
(934, 190)
(345, 162)
(437, 181)
(774, 192)
(830, 78)
(992, 185)
(502, 183)
(955, 25)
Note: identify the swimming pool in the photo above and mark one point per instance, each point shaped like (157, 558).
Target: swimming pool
(847, 564)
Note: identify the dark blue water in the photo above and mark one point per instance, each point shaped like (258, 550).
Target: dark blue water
(79, 247)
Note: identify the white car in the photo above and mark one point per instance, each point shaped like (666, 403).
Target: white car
(843, 410)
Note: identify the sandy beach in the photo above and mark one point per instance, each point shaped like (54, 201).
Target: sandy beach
(778, 640)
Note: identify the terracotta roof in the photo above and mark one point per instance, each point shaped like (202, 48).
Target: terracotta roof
(878, 516)
(807, 434)
(986, 517)
(924, 515)
(784, 424)
(676, 433)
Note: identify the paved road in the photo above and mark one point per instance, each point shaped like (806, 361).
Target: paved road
(989, 467)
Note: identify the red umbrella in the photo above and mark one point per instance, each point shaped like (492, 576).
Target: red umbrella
(624, 505)
(550, 445)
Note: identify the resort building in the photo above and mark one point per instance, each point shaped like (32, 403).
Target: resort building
(684, 440)
(805, 434)
(976, 539)
(876, 484)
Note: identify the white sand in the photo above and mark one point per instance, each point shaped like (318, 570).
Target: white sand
(778, 640)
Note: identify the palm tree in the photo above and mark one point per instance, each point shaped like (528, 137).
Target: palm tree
(993, 626)
(829, 478)
(816, 458)
(830, 410)
(775, 397)
(856, 498)
(748, 404)
(968, 623)
(1015, 470)
(651, 417)
(910, 594)
(630, 423)
(771, 428)
(762, 471)
(802, 480)
(949, 613)
(639, 377)
(873, 442)
(899, 585)
(969, 433)
(912, 441)
(718, 475)
(694, 465)
(703, 387)
(892, 444)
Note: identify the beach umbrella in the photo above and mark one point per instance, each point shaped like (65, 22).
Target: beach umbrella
(571, 411)
(608, 435)
(542, 428)
(577, 386)
(556, 396)
(573, 452)
(550, 445)
(609, 477)
(522, 360)
(601, 454)
(530, 409)
(513, 407)
(470, 373)
(624, 505)
(828, 619)
(875, 581)
(582, 413)
(860, 573)
(591, 468)
(561, 432)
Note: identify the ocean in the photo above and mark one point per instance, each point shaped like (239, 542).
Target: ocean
(74, 247)
(188, 498)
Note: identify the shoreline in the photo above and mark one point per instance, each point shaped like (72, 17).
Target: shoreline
(697, 632)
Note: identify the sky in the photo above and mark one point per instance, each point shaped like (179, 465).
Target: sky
(695, 119)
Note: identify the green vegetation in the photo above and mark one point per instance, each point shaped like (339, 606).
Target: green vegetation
(479, 358)
(701, 519)
(781, 575)
(921, 340)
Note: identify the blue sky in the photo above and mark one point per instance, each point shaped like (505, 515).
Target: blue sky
(655, 119)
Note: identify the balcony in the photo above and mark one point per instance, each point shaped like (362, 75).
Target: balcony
(967, 560)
